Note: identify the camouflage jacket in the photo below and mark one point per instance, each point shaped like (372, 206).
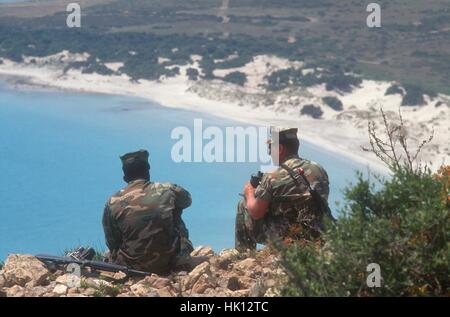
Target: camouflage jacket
(291, 204)
(140, 224)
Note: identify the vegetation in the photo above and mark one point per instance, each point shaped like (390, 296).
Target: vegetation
(192, 73)
(104, 290)
(402, 224)
(327, 35)
(236, 78)
(334, 103)
(394, 90)
(311, 110)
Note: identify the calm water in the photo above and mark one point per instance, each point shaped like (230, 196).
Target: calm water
(59, 162)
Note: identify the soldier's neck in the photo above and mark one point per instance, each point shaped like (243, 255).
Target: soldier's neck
(289, 157)
(138, 180)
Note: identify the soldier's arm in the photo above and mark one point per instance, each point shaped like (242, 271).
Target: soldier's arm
(258, 200)
(257, 208)
(112, 233)
(182, 197)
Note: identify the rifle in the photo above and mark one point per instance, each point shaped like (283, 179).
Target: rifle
(97, 265)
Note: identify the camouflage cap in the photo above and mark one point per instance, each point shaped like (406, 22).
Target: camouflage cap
(140, 156)
(282, 134)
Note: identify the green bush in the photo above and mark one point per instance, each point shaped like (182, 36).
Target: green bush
(192, 73)
(333, 102)
(311, 110)
(400, 223)
(404, 227)
(393, 90)
(236, 78)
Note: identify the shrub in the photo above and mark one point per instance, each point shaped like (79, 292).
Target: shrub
(400, 223)
(413, 97)
(311, 110)
(394, 90)
(236, 78)
(192, 73)
(404, 227)
(333, 103)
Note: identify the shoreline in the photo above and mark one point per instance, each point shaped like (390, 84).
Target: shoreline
(174, 93)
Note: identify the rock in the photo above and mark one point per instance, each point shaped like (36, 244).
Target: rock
(89, 291)
(241, 293)
(141, 290)
(247, 265)
(155, 281)
(203, 251)
(60, 289)
(270, 283)
(96, 283)
(119, 276)
(195, 274)
(272, 292)
(15, 291)
(2, 292)
(246, 282)
(203, 282)
(2, 281)
(76, 295)
(165, 292)
(73, 291)
(70, 280)
(24, 270)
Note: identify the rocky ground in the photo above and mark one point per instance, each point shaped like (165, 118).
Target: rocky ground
(228, 273)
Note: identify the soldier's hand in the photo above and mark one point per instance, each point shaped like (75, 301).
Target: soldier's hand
(249, 190)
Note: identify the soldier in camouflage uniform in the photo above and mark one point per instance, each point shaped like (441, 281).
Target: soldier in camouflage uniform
(282, 206)
(142, 222)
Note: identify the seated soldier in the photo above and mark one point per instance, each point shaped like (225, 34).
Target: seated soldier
(142, 222)
(282, 206)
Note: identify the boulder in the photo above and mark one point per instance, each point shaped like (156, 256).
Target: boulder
(195, 275)
(165, 292)
(203, 251)
(24, 270)
(15, 291)
(2, 280)
(70, 280)
(155, 281)
(60, 289)
(202, 284)
(247, 265)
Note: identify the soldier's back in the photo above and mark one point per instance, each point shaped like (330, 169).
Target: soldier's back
(291, 202)
(143, 213)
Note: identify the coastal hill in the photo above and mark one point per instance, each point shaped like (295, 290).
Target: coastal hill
(313, 65)
(228, 273)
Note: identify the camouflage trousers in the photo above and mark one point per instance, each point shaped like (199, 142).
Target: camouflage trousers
(248, 232)
(177, 262)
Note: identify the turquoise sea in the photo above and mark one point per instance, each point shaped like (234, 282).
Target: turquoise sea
(59, 162)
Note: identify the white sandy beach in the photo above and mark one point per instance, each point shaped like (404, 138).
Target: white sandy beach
(343, 133)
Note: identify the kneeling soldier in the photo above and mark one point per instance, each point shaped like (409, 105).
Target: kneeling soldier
(289, 203)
